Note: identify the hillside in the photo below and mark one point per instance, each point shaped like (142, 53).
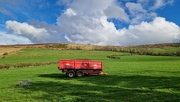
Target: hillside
(169, 49)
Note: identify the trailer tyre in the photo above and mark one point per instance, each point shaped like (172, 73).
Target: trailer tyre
(79, 73)
(70, 74)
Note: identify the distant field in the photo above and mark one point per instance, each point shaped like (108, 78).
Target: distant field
(138, 78)
(7, 50)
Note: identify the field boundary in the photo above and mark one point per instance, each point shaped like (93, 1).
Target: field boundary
(22, 65)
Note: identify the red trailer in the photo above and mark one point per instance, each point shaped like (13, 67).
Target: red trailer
(78, 68)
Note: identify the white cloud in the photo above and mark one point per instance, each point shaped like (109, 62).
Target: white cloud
(95, 29)
(138, 13)
(70, 12)
(90, 25)
(157, 31)
(91, 6)
(153, 5)
(135, 7)
(8, 39)
(37, 32)
(160, 3)
(37, 35)
(98, 8)
(115, 11)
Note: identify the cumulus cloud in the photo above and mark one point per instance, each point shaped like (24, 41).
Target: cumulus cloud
(157, 31)
(90, 25)
(98, 8)
(8, 39)
(36, 32)
(36, 35)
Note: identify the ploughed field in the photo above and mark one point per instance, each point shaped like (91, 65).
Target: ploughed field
(129, 77)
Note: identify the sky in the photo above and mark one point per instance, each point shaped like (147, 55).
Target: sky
(97, 22)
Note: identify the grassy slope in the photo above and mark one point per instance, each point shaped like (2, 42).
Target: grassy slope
(32, 55)
(132, 78)
(167, 49)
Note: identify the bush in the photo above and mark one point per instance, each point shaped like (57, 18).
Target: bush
(4, 66)
(5, 54)
(64, 46)
(178, 53)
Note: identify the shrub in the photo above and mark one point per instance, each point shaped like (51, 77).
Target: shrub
(5, 54)
(178, 53)
(64, 46)
(4, 66)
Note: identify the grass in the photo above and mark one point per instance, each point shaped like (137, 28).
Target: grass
(32, 55)
(131, 78)
(8, 50)
(167, 49)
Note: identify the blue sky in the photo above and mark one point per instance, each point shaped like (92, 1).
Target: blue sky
(99, 22)
(171, 12)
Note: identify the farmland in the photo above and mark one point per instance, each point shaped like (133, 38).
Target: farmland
(130, 77)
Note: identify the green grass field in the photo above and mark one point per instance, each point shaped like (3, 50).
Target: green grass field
(130, 79)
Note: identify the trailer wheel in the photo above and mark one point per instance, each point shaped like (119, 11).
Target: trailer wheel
(79, 73)
(70, 73)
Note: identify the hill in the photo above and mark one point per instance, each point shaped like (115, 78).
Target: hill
(169, 49)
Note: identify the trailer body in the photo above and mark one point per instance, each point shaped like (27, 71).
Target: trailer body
(78, 68)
